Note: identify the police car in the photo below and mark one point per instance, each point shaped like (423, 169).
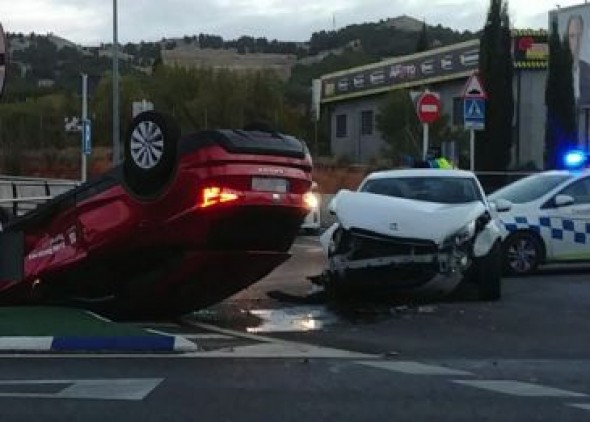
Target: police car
(546, 217)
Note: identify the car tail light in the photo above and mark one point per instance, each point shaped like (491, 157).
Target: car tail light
(216, 195)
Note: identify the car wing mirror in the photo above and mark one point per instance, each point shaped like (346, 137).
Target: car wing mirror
(502, 205)
(564, 200)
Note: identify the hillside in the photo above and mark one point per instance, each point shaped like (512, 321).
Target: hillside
(46, 63)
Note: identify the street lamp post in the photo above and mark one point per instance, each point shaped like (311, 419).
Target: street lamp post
(116, 121)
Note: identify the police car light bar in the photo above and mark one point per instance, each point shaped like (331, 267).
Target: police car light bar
(574, 159)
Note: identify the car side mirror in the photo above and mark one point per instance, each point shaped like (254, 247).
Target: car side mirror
(564, 200)
(502, 205)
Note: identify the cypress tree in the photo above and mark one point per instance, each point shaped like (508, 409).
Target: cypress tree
(422, 44)
(560, 125)
(496, 70)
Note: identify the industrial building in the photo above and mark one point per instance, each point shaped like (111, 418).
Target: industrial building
(352, 98)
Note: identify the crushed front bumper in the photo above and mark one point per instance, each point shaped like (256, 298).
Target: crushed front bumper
(440, 272)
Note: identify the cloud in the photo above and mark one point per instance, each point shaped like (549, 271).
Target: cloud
(90, 21)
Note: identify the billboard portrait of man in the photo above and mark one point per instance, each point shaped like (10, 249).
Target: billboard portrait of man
(575, 33)
(3, 60)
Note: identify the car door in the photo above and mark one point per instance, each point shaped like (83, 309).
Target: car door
(568, 227)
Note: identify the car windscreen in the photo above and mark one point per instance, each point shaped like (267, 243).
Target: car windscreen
(530, 188)
(445, 190)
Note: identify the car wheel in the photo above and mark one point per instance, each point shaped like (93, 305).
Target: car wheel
(150, 153)
(522, 253)
(489, 274)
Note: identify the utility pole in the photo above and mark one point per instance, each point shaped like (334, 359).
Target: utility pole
(116, 121)
(85, 127)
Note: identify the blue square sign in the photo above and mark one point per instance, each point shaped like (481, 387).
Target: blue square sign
(87, 137)
(474, 113)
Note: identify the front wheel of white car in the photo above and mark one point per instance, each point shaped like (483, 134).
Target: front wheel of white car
(489, 274)
(522, 253)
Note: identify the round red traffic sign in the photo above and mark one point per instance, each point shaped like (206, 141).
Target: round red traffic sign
(428, 107)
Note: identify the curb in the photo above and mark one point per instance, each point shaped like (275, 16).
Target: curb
(156, 343)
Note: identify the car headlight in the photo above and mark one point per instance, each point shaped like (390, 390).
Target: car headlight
(465, 234)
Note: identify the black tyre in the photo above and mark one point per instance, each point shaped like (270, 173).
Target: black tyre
(523, 252)
(489, 274)
(150, 154)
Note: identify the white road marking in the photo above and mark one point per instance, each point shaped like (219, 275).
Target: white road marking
(101, 389)
(97, 316)
(517, 388)
(415, 368)
(583, 406)
(41, 344)
(233, 333)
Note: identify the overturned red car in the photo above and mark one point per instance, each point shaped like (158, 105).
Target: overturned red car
(183, 223)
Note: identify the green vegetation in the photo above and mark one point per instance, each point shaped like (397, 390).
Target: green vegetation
(402, 131)
(493, 152)
(44, 84)
(560, 129)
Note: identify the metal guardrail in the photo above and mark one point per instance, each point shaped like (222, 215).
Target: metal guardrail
(23, 194)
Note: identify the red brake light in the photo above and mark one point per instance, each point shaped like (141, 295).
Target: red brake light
(215, 195)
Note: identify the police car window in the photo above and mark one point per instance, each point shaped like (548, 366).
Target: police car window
(579, 190)
(530, 188)
(445, 190)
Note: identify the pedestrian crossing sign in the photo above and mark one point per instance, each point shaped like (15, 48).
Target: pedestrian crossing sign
(474, 113)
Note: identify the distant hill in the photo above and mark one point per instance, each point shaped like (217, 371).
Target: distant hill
(41, 62)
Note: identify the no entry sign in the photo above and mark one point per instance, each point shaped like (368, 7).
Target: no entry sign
(428, 107)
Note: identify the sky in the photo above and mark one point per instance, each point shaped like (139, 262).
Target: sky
(90, 22)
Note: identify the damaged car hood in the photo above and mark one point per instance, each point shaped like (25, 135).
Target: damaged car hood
(400, 217)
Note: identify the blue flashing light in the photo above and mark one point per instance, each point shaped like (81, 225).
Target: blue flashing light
(574, 159)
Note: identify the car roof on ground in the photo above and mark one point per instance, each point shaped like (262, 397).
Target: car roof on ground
(420, 172)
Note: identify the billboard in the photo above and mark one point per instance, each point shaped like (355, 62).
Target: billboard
(573, 23)
(3, 60)
(452, 62)
(530, 49)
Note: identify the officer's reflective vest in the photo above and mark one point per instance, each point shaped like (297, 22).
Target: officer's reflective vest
(440, 163)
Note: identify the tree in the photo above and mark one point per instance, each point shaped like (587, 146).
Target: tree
(560, 126)
(422, 44)
(493, 146)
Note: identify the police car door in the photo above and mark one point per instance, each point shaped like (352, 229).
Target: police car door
(568, 227)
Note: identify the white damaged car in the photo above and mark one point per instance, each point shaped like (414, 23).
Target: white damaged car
(414, 230)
